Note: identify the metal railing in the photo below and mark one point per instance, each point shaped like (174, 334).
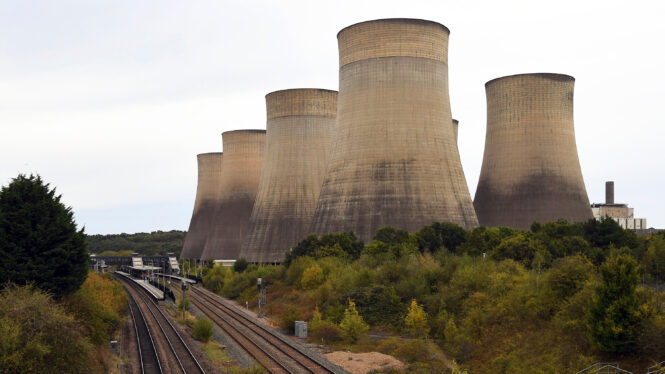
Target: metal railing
(604, 368)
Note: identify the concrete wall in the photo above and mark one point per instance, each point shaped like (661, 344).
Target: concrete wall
(300, 126)
(242, 163)
(531, 171)
(208, 193)
(394, 159)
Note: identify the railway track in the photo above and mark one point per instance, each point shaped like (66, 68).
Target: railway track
(187, 362)
(147, 353)
(275, 354)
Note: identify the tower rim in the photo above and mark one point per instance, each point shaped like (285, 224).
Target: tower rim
(553, 76)
(397, 20)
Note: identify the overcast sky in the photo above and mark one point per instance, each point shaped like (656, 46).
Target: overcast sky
(110, 101)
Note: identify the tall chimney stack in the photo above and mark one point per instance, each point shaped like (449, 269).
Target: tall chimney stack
(609, 192)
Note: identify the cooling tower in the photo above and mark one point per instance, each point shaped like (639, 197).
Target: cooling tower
(394, 159)
(530, 170)
(300, 126)
(207, 195)
(243, 159)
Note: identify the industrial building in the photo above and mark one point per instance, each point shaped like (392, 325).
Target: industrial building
(242, 163)
(621, 213)
(530, 171)
(394, 160)
(208, 194)
(299, 133)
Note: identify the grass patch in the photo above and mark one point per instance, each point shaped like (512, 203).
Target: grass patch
(216, 354)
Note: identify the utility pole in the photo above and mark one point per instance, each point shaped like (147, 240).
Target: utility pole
(184, 289)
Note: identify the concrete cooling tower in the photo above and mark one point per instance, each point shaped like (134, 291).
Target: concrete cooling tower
(300, 126)
(243, 159)
(207, 195)
(394, 159)
(530, 170)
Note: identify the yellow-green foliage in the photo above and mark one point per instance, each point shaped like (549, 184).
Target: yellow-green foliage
(215, 277)
(38, 336)
(312, 277)
(99, 304)
(203, 329)
(416, 320)
(523, 307)
(353, 327)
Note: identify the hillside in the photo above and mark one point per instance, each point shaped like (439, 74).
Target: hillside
(156, 242)
(553, 299)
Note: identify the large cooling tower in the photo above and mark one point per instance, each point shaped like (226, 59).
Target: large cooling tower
(207, 195)
(530, 170)
(300, 126)
(394, 159)
(243, 159)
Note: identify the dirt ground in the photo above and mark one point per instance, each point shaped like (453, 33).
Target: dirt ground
(361, 363)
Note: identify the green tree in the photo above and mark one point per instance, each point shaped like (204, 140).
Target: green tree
(240, 265)
(654, 260)
(39, 241)
(353, 327)
(614, 318)
(312, 277)
(449, 235)
(416, 320)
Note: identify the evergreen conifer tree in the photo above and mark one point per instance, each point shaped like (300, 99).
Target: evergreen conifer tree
(39, 241)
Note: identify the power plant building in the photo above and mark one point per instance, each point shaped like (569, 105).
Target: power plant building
(530, 171)
(208, 193)
(394, 158)
(299, 129)
(621, 213)
(242, 163)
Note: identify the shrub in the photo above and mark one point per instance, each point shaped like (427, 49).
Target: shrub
(203, 329)
(98, 305)
(288, 319)
(37, 336)
(312, 277)
(323, 330)
(296, 270)
(416, 320)
(214, 278)
(240, 265)
(183, 304)
(353, 327)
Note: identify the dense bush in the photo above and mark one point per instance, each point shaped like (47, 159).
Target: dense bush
(614, 321)
(99, 305)
(240, 265)
(344, 244)
(288, 319)
(203, 329)
(38, 336)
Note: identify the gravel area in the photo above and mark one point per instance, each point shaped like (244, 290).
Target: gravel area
(235, 352)
(129, 348)
(361, 363)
